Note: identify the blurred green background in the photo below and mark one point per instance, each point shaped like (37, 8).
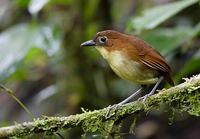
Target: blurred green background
(41, 60)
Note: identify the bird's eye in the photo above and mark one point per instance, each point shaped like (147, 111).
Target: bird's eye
(103, 39)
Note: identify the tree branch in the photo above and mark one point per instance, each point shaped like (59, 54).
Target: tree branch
(183, 97)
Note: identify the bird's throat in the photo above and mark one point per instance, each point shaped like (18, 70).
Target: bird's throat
(104, 52)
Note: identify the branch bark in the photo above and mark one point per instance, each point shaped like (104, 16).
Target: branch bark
(183, 97)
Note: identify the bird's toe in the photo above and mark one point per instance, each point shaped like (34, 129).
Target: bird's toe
(110, 109)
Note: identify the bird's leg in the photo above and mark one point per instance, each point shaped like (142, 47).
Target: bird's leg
(130, 97)
(153, 90)
(115, 106)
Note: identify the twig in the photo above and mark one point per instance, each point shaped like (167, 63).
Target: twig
(11, 94)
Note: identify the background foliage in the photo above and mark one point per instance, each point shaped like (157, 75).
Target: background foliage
(41, 60)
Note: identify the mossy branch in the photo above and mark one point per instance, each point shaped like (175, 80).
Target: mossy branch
(183, 97)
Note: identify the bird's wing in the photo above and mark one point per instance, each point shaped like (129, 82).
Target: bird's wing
(155, 61)
(150, 57)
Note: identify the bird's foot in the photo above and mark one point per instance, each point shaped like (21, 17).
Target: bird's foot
(144, 98)
(111, 108)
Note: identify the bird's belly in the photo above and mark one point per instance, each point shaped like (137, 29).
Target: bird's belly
(131, 70)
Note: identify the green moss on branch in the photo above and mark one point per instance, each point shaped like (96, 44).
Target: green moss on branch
(183, 97)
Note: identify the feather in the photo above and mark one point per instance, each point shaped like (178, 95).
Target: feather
(149, 56)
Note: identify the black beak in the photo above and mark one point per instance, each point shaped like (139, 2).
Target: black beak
(88, 43)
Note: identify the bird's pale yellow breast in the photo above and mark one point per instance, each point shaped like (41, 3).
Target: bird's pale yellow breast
(127, 69)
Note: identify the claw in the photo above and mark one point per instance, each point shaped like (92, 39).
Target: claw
(111, 108)
(144, 98)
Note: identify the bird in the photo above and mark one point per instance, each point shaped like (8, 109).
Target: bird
(132, 59)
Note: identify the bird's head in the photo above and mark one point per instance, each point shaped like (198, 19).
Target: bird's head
(105, 38)
(106, 41)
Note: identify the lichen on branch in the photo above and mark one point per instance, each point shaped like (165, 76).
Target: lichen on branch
(184, 97)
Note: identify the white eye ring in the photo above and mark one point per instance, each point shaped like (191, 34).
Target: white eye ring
(103, 39)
